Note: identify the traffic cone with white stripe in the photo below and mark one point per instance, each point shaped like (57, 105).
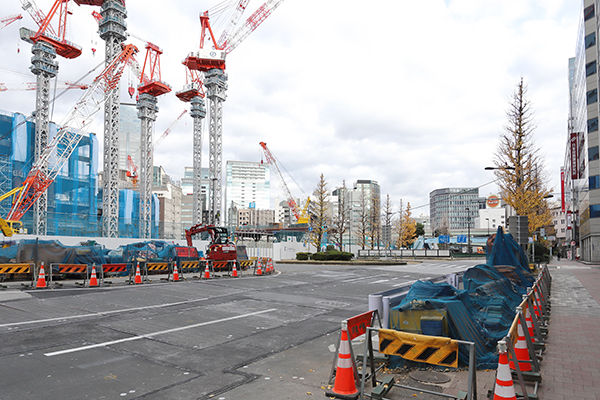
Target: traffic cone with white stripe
(138, 276)
(521, 351)
(93, 278)
(234, 271)
(344, 386)
(41, 282)
(175, 272)
(206, 272)
(258, 268)
(504, 389)
(529, 322)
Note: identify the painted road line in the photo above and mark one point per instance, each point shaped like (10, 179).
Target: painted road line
(380, 281)
(150, 335)
(102, 313)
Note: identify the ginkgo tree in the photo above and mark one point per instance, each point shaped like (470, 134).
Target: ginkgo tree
(405, 226)
(519, 166)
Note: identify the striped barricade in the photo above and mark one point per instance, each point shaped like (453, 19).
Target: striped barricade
(188, 266)
(114, 268)
(220, 266)
(10, 269)
(69, 269)
(160, 267)
(245, 264)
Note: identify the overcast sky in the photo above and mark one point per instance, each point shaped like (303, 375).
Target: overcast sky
(411, 94)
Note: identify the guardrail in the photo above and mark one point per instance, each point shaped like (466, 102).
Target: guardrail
(409, 253)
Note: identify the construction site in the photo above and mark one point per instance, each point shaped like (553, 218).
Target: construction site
(51, 182)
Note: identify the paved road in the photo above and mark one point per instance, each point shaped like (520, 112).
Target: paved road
(222, 338)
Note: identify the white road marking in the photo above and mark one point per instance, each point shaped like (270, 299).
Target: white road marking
(152, 334)
(380, 281)
(102, 313)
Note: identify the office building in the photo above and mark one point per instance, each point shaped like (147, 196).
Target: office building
(187, 197)
(247, 185)
(580, 176)
(453, 209)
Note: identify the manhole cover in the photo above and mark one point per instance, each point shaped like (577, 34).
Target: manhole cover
(429, 377)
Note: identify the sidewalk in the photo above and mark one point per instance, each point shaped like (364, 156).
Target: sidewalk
(571, 365)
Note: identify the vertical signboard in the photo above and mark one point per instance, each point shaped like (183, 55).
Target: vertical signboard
(562, 189)
(574, 163)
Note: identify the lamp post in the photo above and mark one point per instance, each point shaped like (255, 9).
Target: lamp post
(468, 230)
(488, 223)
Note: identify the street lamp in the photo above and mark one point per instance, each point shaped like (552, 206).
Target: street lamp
(488, 222)
(468, 230)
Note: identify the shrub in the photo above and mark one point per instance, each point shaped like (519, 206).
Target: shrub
(303, 256)
(333, 256)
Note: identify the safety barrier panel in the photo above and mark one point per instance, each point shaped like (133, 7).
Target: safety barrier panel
(188, 266)
(245, 264)
(220, 265)
(114, 268)
(16, 268)
(434, 350)
(157, 266)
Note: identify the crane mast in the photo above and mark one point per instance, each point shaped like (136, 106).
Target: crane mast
(113, 30)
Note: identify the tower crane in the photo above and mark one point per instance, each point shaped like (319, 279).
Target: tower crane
(47, 43)
(46, 167)
(301, 216)
(5, 21)
(150, 87)
(211, 62)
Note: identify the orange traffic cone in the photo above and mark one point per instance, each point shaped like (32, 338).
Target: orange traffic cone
(258, 268)
(269, 266)
(537, 304)
(206, 272)
(504, 389)
(138, 276)
(175, 272)
(234, 271)
(344, 386)
(93, 278)
(521, 351)
(529, 322)
(41, 282)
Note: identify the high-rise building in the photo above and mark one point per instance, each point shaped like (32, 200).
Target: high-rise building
(72, 201)
(169, 197)
(187, 197)
(581, 170)
(248, 185)
(130, 135)
(453, 208)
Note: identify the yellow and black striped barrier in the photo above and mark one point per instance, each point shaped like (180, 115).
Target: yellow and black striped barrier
(15, 268)
(157, 266)
(245, 264)
(187, 265)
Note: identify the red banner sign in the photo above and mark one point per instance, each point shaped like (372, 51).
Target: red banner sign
(574, 161)
(186, 252)
(562, 190)
(358, 325)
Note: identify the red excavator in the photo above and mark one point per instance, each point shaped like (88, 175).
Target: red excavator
(219, 248)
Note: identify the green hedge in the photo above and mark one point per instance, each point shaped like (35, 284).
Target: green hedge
(303, 256)
(333, 256)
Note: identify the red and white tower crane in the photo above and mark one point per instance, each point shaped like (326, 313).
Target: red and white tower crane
(47, 166)
(211, 62)
(33, 86)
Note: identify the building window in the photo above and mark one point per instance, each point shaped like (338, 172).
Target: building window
(595, 211)
(590, 68)
(588, 12)
(592, 96)
(590, 40)
(594, 182)
(592, 124)
(593, 153)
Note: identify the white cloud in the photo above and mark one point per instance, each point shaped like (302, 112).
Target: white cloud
(410, 94)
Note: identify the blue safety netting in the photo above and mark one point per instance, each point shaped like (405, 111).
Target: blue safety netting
(482, 313)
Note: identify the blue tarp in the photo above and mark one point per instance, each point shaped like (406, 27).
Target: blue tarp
(483, 312)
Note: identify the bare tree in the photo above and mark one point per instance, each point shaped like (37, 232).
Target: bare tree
(520, 169)
(375, 231)
(364, 220)
(320, 216)
(341, 221)
(387, 214)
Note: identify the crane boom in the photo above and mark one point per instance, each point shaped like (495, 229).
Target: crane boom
(9, 20)
(33, 86)
(251, 24)
(56, 154)
(168, 130)
(237, 13)
(38, 15)
(290, 199)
